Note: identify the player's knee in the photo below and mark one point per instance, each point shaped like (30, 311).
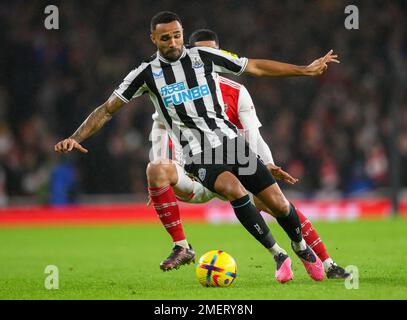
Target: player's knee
(155, 171)
(162, 173)
(275, 201)
(281, 208)
(232, 193)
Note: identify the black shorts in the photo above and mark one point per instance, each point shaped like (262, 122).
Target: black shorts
(233, 156)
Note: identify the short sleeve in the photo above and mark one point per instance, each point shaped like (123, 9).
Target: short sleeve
(223, 61)
(132, 86)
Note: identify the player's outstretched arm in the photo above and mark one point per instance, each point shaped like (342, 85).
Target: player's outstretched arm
(93, 123)
(271, 68)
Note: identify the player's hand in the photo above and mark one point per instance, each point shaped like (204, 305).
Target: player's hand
(67, 145)
(280, 174)
(318, 66)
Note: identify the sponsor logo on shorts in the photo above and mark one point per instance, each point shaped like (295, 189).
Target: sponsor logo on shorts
(202, 174)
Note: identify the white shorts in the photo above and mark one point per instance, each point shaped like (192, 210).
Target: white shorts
(200, 193)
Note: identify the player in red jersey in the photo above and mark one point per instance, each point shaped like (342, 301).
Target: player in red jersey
(240, 110)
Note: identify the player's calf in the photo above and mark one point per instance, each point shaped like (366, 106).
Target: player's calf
(274, 201)
(229, 186)
(160, 179)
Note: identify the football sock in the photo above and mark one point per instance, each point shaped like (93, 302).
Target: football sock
(299, 246)
(276, 249)
(252, 220)
(328, 263)
(182, 243)
(292, 226)
(166, 206)
(312, 238)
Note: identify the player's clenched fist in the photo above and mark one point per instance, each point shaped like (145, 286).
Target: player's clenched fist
(68, 145)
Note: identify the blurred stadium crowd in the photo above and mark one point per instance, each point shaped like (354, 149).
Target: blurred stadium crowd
(332, 132)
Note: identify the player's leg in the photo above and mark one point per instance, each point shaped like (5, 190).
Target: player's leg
(332, 270)
(161, 176)
(285, 214)
(287, 217)
(220, 179)
(312, 238)
(229, 186)
(309, 234)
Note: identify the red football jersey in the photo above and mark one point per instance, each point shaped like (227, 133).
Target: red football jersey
(230, 94)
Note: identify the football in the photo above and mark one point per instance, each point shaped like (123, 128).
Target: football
(216, 268)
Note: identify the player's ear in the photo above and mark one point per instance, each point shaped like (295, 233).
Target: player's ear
(152, 38)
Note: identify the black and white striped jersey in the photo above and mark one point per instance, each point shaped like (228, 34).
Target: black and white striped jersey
(186, 94)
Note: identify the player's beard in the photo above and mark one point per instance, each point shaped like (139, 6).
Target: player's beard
(173, 54)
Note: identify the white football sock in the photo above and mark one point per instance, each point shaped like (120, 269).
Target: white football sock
(182, 243)
(328, 263)
(276, 249)
(299, 246)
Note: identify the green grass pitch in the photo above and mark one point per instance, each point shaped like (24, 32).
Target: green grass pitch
(122, 262)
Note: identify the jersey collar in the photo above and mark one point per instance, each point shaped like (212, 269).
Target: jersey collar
(183, 54)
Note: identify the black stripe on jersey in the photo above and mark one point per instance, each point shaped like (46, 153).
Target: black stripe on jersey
(169, 77)
(212, 88)
(151, 84)
(134, 86)
(220, 61)
(192, 82)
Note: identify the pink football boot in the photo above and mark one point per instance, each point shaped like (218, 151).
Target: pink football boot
(283, 270)
(312, 263)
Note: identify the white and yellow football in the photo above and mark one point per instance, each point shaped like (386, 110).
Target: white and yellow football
(216, 268)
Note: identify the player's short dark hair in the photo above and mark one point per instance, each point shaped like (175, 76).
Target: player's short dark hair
(163, 17)
(203, 35)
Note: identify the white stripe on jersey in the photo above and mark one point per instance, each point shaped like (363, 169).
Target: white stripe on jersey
(229, 82)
